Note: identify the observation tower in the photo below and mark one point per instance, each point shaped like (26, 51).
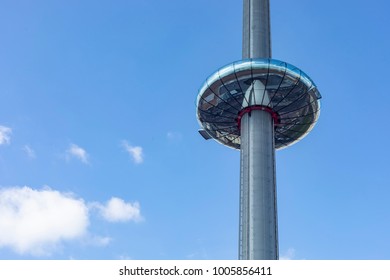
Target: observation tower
(257, 105)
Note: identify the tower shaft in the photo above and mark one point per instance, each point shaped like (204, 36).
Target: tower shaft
(256, 32)
(258, 211)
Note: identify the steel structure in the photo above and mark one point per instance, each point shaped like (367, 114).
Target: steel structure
(257, 105)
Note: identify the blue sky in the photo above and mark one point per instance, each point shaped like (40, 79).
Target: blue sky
(100, 157)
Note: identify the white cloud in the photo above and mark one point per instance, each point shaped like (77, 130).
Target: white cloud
(77, 152)
(102, 241)
(174, 136)
(289, 255)
(117, 210)
(5, 133)
(29, 151)
(36, 221)
(134, 151)
(99, 241)
(124, 257)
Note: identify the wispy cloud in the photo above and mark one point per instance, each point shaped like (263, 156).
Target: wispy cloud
(174, 136)
(35, 221)
(29, 151)
(117, 210)
(124, 257)
(135, 152)
(199, 253)
(5, 135)
(77, 152)
(100, 241)
(288, 255)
